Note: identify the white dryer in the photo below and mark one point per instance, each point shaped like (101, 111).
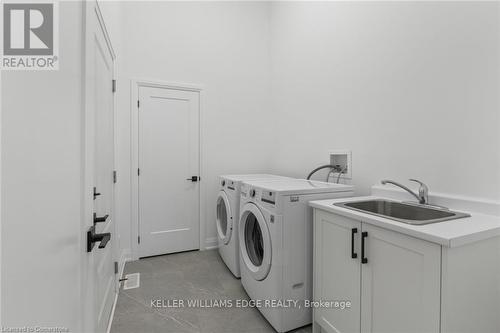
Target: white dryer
(276, 246)
(228, 208)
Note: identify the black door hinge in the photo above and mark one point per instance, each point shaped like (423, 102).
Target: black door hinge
(138, 239)
(138, 172)
(137, 103)
(114, 177)
(113, 85)
(116, 267)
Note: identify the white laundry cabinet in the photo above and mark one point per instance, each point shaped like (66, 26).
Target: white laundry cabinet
(398, 283)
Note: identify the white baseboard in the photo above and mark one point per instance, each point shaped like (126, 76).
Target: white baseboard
(211, 243)
(108, 330)
(125, 256)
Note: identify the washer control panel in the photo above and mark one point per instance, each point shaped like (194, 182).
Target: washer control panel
(258, 194)
(269, 197)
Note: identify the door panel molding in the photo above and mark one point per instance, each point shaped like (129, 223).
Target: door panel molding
(135, 85)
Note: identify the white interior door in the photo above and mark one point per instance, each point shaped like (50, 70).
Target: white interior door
(168, 158)
(100, 279)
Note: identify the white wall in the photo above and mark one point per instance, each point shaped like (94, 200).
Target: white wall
(410, 87)
(222, 46)
(41, 186)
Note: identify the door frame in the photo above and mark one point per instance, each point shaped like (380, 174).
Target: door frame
(87, 320)
(135, 85)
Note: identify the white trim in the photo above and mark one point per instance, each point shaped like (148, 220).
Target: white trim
(112, 315)
(134, 158)
(124, 258)
(1, 199)
(86, 320)
(203, 177)
(167, 85)
(211, 243)
(100, 19)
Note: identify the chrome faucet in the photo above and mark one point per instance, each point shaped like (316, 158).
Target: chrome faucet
(423, 191)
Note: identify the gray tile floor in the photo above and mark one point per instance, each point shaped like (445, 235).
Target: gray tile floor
(188, 275)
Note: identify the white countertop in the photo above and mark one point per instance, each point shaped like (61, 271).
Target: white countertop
(451, 233)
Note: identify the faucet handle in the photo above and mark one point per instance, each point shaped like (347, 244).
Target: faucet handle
(418, 181)
(422, 191)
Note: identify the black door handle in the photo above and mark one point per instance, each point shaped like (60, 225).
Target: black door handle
(194, 179)
(93, 238)
(95, 193)
(104, 238)
(100, 218)
(364, 234)
(354, 255)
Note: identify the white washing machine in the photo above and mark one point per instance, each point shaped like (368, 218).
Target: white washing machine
(276, 253)
(228, 208)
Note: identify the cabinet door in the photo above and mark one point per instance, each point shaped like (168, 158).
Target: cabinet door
(337, 274)
(400, 283)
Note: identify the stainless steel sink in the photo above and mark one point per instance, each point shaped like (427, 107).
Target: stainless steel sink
(403, 212)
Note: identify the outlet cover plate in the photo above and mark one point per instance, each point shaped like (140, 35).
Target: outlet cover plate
(342, 157)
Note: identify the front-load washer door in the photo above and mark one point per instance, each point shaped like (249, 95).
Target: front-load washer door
(255, 241)
(224, 218)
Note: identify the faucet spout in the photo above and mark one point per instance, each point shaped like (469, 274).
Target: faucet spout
(422, 195)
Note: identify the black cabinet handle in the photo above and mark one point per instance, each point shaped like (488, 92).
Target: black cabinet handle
(354, 231)
(93, 238)
(364, 234)
(194, 179)
(100, 218)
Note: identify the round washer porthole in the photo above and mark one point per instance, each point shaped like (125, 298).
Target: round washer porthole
(224, 218)
(255, 242)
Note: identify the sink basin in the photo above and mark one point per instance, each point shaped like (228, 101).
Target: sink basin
(403, 212)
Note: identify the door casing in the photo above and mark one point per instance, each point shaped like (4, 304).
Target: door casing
(135, 84)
